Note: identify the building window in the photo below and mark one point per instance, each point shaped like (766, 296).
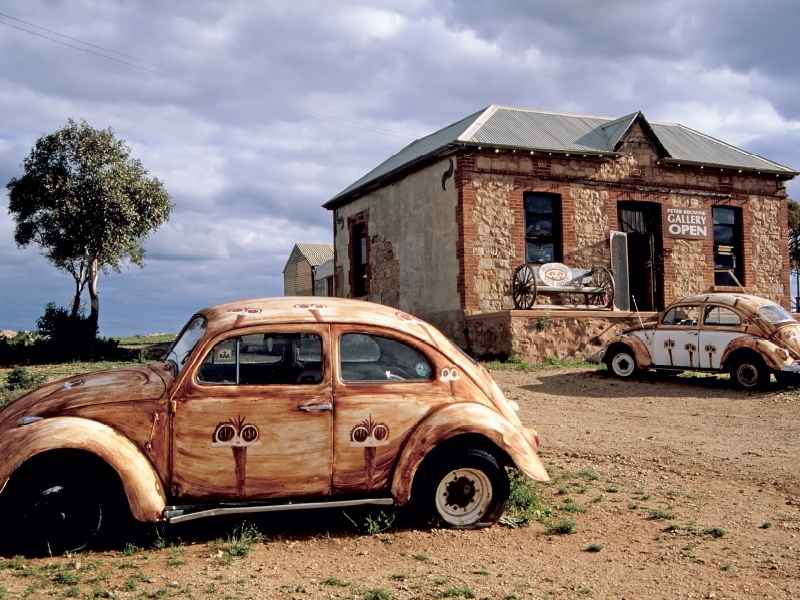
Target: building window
(359, 265)
(542, 228)
(727, 245)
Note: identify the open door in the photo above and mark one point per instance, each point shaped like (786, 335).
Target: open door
(619, 269)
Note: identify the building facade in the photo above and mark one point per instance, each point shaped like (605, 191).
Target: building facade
(306, 271)
(438, 229)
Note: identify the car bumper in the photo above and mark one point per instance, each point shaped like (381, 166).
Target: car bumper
(793, 368)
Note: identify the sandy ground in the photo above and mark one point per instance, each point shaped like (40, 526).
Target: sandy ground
(690, 490)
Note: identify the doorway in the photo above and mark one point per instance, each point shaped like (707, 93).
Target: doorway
(641, 221)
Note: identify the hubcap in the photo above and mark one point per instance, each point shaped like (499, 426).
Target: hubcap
(463, 496)
(64, 521)
(622, 364)
(747, 375)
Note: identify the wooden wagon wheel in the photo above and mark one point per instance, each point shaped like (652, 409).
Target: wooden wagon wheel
(523, 287)
(600, 277)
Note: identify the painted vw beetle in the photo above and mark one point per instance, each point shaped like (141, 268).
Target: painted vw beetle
(746, 336)
(262, 405)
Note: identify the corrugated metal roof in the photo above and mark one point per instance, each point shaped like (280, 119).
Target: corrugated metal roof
(316, 254)
(559, 132)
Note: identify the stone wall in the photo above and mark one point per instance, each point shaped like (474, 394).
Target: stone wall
(767, 260)
(537, 336)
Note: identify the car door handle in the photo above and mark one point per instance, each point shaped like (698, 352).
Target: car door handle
(316, 407)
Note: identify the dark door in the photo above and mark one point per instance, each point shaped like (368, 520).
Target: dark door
(642, 222)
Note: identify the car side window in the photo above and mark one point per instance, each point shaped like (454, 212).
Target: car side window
(264, 359)
(365, 357)
(681, 315)
(719, 316)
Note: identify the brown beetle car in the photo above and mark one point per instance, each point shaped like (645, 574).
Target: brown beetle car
(746, 336)
(263, 405)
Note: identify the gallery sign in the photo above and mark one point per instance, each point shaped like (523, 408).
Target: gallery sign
(687, 223)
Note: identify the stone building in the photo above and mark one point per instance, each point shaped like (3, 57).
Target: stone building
(307, 271)
(438, 229)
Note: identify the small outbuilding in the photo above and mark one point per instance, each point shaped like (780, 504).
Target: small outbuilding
(438, 229)
(309, 271)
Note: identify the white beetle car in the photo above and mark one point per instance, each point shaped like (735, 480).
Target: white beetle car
(746, 336)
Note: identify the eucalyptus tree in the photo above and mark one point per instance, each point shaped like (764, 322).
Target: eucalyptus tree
(87, 204)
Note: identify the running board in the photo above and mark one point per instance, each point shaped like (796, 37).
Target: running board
(177, 514)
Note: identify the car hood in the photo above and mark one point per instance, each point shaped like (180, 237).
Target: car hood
(123, 384)
(789, 334)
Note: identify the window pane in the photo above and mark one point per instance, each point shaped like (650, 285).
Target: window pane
(718, 315)
(539, 204)
(681, 315)
(540, 253)
(723, 234)
(723, 215)
(264, 359)
(374, 358)
(774, 314)
(538, 226)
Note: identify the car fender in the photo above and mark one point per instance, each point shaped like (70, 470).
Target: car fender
(640, 351)
(457, 419)
(142, 486)
(772, 354)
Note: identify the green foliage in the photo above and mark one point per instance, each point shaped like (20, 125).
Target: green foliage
(377, 594)
(20, 378)
(794, 234)
(462, 592)
(543, 324)
(86, 203)
(565, 525)
(659, 514)
(714, 532)
(513, 363)
(373, 525)
(594, 547)
(335, 582)
(766, 525)
(241, 542)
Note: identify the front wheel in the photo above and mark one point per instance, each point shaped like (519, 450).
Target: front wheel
(622, 363)
(60, 519)
(750, 373)
(467, 489)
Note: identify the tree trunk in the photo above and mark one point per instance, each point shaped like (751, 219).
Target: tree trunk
(95, 300)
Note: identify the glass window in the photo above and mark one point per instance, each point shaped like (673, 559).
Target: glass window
(542, 234)
(186, 341)
(727, 245)
(264, 359)
(720, 316)
(373, 358)
(359, 264)
(681, 315)
(774, 314)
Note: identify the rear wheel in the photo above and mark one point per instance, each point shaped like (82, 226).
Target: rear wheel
(750, 372)
(465, 489)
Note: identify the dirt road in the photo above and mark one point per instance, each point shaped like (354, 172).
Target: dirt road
(673, 488)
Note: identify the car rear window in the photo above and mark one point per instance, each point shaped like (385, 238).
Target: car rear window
(773, 313)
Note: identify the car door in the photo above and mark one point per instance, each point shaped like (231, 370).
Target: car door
(721, 325)
(255, 419)
(384, 384)
(676, 338)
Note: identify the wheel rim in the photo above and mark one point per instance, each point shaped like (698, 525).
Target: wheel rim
(463, 496)
(64, 521)
(747, 374)
(524, 287)
(602, 278)
(623, 364)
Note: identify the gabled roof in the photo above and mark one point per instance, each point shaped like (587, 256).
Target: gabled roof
(503, 126)
(315, 254)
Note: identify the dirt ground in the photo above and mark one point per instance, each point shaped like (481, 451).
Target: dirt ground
(676, 487)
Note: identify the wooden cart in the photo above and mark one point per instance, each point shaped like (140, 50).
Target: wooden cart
(592, 288)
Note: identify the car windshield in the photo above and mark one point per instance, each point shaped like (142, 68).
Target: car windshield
(773, 313)
(187, 340)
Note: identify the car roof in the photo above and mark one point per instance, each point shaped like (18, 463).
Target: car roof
(315, 309)
(744, 302)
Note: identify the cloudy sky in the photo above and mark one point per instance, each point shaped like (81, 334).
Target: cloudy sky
(254, 113)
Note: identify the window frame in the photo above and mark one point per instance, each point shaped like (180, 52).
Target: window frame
(555, 235)
(412, 343)
(736, 247)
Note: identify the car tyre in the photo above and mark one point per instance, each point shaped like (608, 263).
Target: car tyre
(622, 363)
(750, 373)
(60, 508)
(465, 489)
